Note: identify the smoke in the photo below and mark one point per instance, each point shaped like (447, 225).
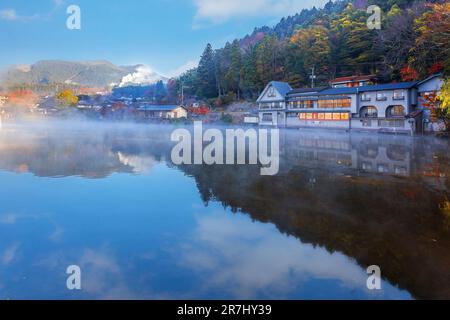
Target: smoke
(143, 75)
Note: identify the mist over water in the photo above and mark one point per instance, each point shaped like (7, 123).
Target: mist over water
(107, 197)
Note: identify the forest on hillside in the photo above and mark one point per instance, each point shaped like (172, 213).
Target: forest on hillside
(413, 42)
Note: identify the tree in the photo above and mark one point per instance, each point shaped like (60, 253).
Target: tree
(206, 74)
(310, 48)
(396, 38)
(408, 73)
(444, 103)
(433, 40)
(233, 75)
(269, 60)
(160, 92)
(66, 98)
(353, 43)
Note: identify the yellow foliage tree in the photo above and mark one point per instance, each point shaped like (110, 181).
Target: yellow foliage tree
(67, 98)
(444, 103)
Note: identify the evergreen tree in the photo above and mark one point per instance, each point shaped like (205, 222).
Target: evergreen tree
(206, 74)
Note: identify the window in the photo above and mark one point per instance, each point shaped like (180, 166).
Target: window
(267, 117)
(271, 105)
(395, 111)
(369, 112)
(365, 97)
(271, 92)
(305, 104)
(381, 96)
(335, 103)
(399, 95)
(324, 116)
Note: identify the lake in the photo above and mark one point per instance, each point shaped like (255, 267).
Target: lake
(107, 198)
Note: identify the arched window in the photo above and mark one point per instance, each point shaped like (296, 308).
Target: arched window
(395, 111)
(369, 112)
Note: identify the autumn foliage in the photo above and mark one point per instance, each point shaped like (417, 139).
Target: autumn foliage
(409, 74)
(22, 98)
(67, 98)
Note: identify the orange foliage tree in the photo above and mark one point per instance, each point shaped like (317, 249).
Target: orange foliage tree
(408, 73)
(433, 40)
(22, 98)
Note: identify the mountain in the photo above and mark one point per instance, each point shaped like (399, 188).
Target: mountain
(336, 40)
(84, 73)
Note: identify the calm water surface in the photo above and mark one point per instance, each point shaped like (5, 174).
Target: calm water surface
(108, 198)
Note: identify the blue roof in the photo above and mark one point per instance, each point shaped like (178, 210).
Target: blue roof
(388, 86)
(306, 91)
(282, 87)
(158, 107)
(333, 91)
(436, 75)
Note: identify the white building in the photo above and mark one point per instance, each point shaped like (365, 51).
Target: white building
(392, 107)
(272, 104)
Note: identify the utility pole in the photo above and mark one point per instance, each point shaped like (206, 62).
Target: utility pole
(313, 76)
(182, 94)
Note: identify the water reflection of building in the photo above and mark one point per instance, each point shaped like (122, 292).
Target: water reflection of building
(352, 207)
(342, 152)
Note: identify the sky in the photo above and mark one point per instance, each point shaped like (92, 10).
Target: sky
(167, 35)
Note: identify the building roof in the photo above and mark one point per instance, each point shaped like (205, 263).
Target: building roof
(303, 91)
(436, 75)
(353, 79)
(282, 87)
(388, 86)
(333, 91)
(158, 107)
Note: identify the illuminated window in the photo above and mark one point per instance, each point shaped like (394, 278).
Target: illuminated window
(368, 112)
(345, 116)
(335, 103)
(395, 111)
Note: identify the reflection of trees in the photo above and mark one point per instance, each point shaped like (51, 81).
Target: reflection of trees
(397, 225)
(59, 155)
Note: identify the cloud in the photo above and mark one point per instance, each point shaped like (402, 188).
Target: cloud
(245, 259)
(58, 2)
(9, 254)
(9, 14)
(222, 10)
(12, 15)
(191, 64)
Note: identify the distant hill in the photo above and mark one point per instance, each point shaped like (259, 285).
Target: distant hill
(84, 73)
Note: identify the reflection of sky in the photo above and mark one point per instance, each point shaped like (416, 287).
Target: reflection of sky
(150, 236)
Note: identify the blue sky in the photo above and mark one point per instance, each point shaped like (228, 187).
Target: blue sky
(167, 35)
